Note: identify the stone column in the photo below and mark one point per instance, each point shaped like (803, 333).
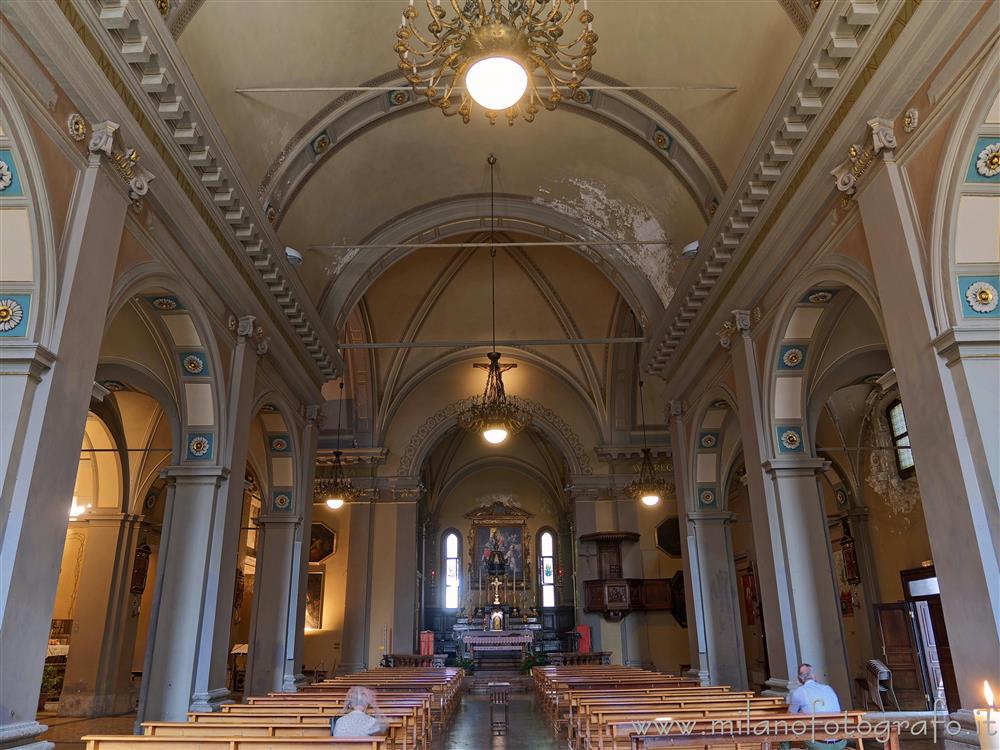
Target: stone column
(809, 571)
(951, 411)
(48, 395)
(184, 603)
(274, 598)
(295, 646)
(584, 504)
(772, 573)
(697, 640)
(713, 543)
(210, 686)
(354, 652)
(99, 668)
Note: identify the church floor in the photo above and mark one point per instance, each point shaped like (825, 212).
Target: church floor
(470, 729)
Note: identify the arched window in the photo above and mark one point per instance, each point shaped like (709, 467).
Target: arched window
(900, 438)
(547, 567)
(452, 549)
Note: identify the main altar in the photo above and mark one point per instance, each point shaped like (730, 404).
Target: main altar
(502, 618)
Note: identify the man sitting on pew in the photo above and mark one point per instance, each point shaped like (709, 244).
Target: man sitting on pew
(356, 721)
(812, 697)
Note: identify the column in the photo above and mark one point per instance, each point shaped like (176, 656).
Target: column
(776, 605)
(794, 562)
(99, 667)
(726, 661)
(584, 503)
(294, 658)
(811, 577)
(697, 641)
(354, 652)
(947, 400)
(182, 607)
(275, 594)
(210, 686)
(48, 393)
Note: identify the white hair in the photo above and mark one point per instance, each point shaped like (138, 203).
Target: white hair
(359, 698)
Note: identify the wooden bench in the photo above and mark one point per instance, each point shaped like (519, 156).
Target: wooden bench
(233, 742)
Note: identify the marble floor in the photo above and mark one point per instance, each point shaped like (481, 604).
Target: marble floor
(469, 730)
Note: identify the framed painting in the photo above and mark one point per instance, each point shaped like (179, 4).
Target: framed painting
(499, 529)
(322, 542)
(314, 600)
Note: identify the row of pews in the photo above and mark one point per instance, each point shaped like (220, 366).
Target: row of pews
(613, 707)
(417, 702)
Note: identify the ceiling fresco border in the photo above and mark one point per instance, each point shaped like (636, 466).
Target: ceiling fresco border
(462, 215)
(355, 114)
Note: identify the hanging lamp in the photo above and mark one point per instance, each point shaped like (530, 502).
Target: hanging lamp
(649, 488)
(338, 489)
(494, 414)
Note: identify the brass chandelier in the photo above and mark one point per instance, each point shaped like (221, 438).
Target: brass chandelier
(494, 415)
(649, 488)
(337, 490)
(507, 54)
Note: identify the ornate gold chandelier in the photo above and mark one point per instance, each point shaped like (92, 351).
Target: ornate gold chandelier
(649, 488)
(501, 51)
(494, 415)
(337, 490)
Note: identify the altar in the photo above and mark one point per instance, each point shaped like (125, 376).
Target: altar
(494, 640)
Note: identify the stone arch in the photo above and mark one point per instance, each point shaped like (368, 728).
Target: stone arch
(178, 322)
(708, 469)
(28, 278)
(801, 328)
(507, 462)
(462, 216)
(545, 420)
(354, 114)
(282, 455)
(965, 203)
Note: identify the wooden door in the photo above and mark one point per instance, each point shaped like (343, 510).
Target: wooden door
(901, 653)
(944, 661)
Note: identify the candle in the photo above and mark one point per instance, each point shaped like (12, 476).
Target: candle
(987, 722)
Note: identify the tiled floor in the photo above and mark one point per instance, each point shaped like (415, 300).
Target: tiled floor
(66, 731)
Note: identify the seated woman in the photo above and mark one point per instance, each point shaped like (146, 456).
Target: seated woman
(357, 721)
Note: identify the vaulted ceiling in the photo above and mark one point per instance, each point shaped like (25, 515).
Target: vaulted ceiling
(340, 169)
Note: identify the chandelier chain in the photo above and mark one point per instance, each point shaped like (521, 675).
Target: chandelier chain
(492, 160)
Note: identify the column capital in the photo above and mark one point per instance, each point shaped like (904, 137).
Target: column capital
(193, 474)
(29, 360)
(967, 343)
(711, 516)
(796, 466)
(677, 407)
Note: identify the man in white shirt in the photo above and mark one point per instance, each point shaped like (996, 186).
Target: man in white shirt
(814, 698)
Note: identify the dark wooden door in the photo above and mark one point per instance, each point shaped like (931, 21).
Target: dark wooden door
(901, 652)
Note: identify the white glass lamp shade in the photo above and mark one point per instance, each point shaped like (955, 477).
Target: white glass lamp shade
(650, 500)
(335, 503)
(496, 83)
(494, 434)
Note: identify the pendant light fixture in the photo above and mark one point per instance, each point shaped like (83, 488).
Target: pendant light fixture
(649, 488)
(338, 489)
(494, 415)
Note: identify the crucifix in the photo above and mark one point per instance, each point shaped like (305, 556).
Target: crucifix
(496, 590)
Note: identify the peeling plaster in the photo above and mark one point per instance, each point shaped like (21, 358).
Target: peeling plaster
(339, 259)
(589, 202)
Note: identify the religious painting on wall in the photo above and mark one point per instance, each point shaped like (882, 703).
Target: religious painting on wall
(499, 544)
(506, 541)
(322, 542)
(314, 600)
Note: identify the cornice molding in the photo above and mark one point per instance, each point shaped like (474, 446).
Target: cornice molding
(140, 59)
(819, 90)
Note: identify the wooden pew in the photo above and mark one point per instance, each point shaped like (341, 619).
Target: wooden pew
(142, 742)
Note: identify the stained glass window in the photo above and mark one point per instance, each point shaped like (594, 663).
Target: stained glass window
(546, 546)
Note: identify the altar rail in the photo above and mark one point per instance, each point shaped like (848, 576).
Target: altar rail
(416, 660)
(566, 659)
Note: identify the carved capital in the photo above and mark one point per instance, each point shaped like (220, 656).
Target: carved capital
(742, 321)
(883, 134)
(676, 407)
(725, 335)
(245, 326)
(263, 344)
(102, 139)
(312, 413)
